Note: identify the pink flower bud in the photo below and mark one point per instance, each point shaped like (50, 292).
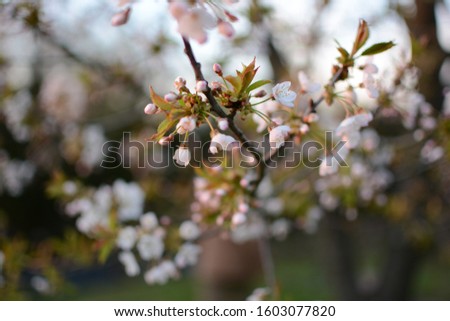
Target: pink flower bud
(218, 69)
(223, 123)
(201, 86)
(311, 118)
(120, 18)
(260, 94)
(170, 97)
(179, 83)
(304, 128)
(215, 85)
(226, 29)
(151, 109)
(165, 141)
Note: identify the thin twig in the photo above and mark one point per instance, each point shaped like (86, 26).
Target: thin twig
(331, 83)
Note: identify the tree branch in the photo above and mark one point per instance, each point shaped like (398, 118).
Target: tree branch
(261, 167)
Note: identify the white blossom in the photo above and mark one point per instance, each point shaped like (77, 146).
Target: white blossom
(148, 221)
(161, 273)
(274, 206)
(189, 231)
(312, 219)
(130, 263)
(15, 174)
(182, 156)
(150, 247)
(238, 218)
(278, 135)
(431, 152)
(93, 139)
(328, 166)
(126, 238)
(306, 85)
(186, 124)
(283, 95)
(223, 123)
(369, 83)
(280, 228)
(259, 294)
(349, 128)
(192, 22)
(40, 284)
(220, 142)
(130, 198)
(187, 255)
(252, 229)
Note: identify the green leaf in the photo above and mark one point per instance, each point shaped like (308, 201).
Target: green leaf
(378, 48)
(159, 101)
(257, 84)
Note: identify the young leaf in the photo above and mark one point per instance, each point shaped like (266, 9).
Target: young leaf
(378, 48)
(361, 36)
(159, 101)
(235, 82)
(247, 75)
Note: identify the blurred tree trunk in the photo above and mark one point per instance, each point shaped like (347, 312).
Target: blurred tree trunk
(226, 270)
(429, 57)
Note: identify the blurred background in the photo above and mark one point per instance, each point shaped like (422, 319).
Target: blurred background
(69, 82)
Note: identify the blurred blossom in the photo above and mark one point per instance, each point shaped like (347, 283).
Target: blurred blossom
(280, 228)
(259, 294)
(161, 273)
(349, 129)
(187, 255)
(306, 86)
(252, 229)
(130, 199)
(15, 111)
(128, 260)
(328, 201)
(328, 166)
(15, 175)
(149, 221)
(189, 231)
(63, 96)
(274, 206)
(126, 238)
(431, 152)
(40, 284)
(150, 247)
(312, 219)
(92, 141)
